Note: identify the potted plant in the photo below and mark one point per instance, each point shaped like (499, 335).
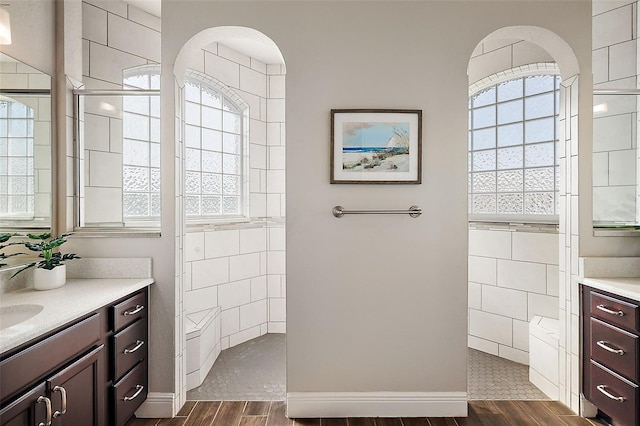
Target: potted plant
(3, 239)
(50, 272)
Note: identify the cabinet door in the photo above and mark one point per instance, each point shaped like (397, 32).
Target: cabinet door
(28, 410)
(77, 396)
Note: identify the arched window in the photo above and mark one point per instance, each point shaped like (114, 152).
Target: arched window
(513, 135)
(17, 186)
(214, 149)
(141, 147)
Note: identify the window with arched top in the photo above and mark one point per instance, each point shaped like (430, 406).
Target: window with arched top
(215, 138)
(513, 136)
(17, 171)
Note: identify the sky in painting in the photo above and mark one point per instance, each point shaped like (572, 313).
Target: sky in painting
(369, 134)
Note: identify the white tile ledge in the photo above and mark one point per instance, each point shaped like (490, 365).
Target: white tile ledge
(626, 287)
(75, 299)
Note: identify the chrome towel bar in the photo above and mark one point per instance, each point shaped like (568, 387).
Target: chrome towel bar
(413, 211)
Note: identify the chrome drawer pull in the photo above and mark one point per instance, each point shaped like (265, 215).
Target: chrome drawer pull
(63, 396)
(139, 389)
(47, 403)
(606, 347)
(610, 311)
(134, 311)
(138, 345)
(602, 388)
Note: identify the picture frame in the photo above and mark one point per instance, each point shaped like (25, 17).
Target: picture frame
(376, 146)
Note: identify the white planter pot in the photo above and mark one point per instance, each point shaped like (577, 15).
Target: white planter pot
(47, 279)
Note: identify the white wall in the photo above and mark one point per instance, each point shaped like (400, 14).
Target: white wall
(355, 282)
(33, 34)
(513, 275)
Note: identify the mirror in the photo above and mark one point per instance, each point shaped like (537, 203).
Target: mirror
(25, 147)
(615, 159)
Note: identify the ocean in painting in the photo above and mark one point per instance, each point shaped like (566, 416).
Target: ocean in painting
(373, 149)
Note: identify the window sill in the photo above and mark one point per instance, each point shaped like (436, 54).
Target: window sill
(116, 233)
(515, 220)
(550, 228)
(230, 224)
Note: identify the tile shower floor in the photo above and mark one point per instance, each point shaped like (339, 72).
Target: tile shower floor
(250, 371)
(255, 371)
(491, 377)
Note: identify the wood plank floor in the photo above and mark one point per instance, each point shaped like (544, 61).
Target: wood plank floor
(272, 413)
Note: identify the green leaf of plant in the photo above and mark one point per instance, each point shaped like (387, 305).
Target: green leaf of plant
(44, 236)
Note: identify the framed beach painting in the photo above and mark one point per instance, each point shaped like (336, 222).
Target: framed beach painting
(376, 146)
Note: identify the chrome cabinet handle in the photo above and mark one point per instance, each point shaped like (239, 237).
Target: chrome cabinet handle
(63, 396)
(134, 311)
(606, 347)
(139, 389)
(138, 345)
(610, 311)
(47, 403)
(602, 389)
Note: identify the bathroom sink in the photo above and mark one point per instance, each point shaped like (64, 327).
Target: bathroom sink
(15, 314)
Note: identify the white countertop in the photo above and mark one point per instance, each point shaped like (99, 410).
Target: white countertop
(76, 298)
(626, 287)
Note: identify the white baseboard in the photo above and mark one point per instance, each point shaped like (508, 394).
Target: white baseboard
(158, 406)
(376, 404)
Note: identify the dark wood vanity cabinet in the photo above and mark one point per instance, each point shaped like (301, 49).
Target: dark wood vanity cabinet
(84, 373)
(611, 355)
(128, 367)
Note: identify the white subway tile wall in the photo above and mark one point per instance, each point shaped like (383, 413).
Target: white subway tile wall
(511, 271)
(107, 30)
(615, 65)
(242, 270)
(505, 292)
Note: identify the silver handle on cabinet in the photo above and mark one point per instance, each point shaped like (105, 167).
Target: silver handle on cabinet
(134, 311)
(606, 347)
(602, 388)
(610, 311)
(63, 396)
(47, 403)
(138, 345)
(139, 389)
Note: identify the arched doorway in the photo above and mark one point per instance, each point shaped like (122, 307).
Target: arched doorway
(517, 276)
(230, 140)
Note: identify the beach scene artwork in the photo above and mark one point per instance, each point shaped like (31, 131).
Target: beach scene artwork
(375, 147)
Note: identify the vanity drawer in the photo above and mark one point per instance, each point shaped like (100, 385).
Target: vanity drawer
(614, 395)
(129, 310)
(615, 348)
(130, 347)
(129, 393)
(615, 311)
(34, 362)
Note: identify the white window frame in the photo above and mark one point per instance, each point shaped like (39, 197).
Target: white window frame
(494, 81)
(243, 107)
